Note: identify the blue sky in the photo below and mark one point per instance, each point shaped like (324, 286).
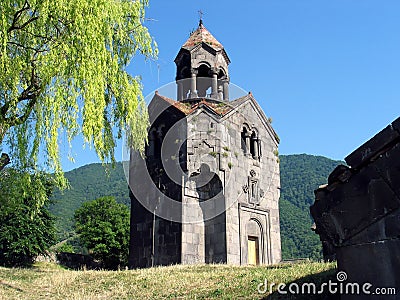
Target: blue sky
(327, 72)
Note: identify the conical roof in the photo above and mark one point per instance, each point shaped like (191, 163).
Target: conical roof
(202, 35)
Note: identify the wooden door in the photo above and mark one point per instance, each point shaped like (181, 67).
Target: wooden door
(252, 251)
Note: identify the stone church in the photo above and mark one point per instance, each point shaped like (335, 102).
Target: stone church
(207, 188)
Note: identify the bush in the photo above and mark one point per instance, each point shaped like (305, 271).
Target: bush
(103, 225)
(26, 226)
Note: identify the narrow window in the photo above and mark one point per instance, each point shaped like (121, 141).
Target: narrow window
(243, 137)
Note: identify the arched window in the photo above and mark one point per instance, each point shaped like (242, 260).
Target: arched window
(243, 136)
(250, 142)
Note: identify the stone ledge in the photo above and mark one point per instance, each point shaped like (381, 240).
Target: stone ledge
(371, 148)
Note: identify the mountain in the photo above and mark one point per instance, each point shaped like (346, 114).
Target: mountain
(300, 176)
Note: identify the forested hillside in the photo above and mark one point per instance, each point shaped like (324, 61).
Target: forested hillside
(300, 176)
(87, 183)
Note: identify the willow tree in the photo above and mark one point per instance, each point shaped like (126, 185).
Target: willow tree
(63, 73)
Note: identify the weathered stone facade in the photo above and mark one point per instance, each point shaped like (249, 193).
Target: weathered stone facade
(213, 168)
(357, 215)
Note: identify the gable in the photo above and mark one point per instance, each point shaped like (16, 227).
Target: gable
(249, 108)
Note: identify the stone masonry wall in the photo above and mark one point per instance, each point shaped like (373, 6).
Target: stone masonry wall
(357, 214)
(217, 143)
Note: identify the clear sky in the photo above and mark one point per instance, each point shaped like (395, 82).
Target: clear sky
(327, 72)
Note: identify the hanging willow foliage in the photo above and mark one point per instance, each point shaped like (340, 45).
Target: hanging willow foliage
(62, 73)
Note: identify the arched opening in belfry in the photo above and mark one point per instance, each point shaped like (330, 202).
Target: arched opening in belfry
(204, 71)
(203, 80)
(183, 83)
(221, 74)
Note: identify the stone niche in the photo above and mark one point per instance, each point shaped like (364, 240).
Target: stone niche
(357, 214)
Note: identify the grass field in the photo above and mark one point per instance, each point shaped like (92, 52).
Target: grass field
(50, 281)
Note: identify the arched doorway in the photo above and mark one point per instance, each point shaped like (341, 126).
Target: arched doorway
(255, 247)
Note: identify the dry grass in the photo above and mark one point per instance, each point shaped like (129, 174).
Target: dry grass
(49, 281)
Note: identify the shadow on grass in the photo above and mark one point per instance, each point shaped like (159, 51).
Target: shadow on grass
(305, 292)
(7, 285)
(75, 261)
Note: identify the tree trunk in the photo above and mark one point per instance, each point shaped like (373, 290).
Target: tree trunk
(4, 159)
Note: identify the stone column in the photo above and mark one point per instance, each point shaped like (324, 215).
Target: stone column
(214, 83)
(220, 93)
(226, 90)
(247, 140)
(254, 140)
(193, 84)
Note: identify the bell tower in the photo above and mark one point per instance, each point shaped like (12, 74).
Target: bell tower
(208, 186)
(202, 68)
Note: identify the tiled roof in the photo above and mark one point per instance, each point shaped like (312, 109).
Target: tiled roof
(183, 107)
(202, 35)
(221, 108)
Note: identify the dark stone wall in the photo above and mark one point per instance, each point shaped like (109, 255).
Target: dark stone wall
(161, 246)
(167, 239)
(357, 214)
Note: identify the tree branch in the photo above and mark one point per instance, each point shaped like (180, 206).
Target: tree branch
(31, 93)
(23, 25)
(26, 47)
(17, 15)
(33, 18)
(22, 118)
